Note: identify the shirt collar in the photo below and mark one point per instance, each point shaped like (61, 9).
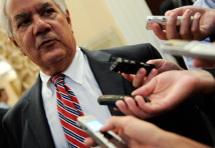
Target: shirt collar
(74, 71)
(4, 105)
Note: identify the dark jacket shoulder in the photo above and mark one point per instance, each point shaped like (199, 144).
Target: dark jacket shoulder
(139, 52)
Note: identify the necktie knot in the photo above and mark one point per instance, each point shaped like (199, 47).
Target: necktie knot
(58, 79)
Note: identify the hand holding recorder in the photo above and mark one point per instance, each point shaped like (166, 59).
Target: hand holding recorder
(166, 91)
(112, 99)
(122, 65)
(202, 25)
(162, 21)
(139, 134)
(107, 139)
(161, 65)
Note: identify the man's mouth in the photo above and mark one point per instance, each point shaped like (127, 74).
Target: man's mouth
(46, 43)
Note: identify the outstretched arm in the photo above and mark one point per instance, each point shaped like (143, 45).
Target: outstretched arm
(138, 133)
(166, 91)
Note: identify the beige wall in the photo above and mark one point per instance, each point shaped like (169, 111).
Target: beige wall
(90, 18)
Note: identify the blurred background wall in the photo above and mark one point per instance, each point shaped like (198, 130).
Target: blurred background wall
(97, 24)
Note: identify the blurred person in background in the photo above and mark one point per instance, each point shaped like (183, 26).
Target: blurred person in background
(4, 107)
(3, 99)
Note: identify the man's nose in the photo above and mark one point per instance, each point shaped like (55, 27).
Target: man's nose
(40, 26)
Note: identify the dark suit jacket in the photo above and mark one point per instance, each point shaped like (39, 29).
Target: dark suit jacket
(26, 124)
(3, 144)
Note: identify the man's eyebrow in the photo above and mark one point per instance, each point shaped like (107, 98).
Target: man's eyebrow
(45, 5)
(24, 14)
(21, 15)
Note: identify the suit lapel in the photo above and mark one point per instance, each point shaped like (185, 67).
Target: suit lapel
(109, 82)
(36, 118)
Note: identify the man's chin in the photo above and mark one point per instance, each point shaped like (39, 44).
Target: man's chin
(54, 55)
(56, 60)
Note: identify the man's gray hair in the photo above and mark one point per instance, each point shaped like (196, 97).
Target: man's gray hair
(5, 21)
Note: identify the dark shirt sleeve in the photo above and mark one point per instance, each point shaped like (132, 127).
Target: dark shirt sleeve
(212, 38)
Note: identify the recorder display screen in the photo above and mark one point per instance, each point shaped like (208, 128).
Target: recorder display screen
(95, 125)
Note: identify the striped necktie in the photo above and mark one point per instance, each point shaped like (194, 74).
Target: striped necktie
(68, 111)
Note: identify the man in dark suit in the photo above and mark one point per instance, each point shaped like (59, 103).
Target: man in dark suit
(36, 29)
(4, 107)
(2, 134)
(29, 109)
(41, 30)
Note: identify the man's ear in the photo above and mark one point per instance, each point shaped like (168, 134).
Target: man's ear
(69, 19)
(17, 46)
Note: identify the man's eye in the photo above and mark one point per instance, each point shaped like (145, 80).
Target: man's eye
(48, 12)
(23, 23)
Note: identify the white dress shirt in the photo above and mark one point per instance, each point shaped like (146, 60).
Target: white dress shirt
(4, 105)
(80, 79)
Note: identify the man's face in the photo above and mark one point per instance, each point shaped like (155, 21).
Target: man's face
(3, 97)
(43, 33)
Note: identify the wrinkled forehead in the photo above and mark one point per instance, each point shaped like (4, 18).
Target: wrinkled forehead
(17, 7)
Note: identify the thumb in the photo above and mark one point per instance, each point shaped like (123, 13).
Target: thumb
(145, 90)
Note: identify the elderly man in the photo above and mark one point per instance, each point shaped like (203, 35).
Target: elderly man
(70, 79)
(42, 30)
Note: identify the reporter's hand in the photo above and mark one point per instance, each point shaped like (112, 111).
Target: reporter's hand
(161, 65)
(166, 91)
(138, 134)
(202, 25)
(203, 63)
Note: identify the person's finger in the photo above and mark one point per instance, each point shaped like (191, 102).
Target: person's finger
(114, 122)
(163, 65)
(128, 77)
(167, 13)
(186, 25)
(145, 107)
(157, 62)
(135, 109)
(171, 31)
(203, 63)
(158, 31)
(89, 142)
(181, 10)
(145, 90)
(152, 108)
(195, 26)
(122, 106)
(116, 109)
(139, 78)
(151, 75)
